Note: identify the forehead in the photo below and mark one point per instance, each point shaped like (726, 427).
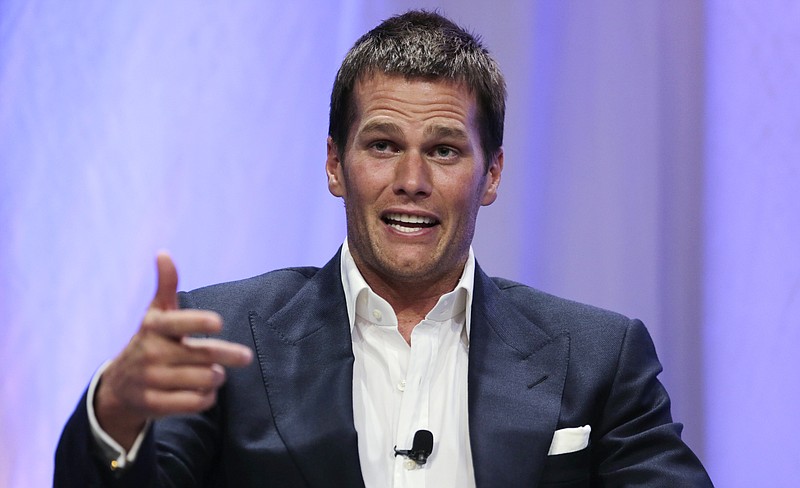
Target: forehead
(413, 98)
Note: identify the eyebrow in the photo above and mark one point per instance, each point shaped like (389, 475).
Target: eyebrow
(446, 131)
(381, 127)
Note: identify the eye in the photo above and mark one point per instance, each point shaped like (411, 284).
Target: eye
(381, 146)
(445, 152)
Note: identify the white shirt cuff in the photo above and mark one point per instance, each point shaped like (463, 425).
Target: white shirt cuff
(115, 455)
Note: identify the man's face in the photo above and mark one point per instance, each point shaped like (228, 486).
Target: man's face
(412, 179)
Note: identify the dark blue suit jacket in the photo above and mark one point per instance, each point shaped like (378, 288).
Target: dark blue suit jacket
(537, 363)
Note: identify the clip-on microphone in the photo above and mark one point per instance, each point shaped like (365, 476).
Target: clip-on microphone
(420, 449)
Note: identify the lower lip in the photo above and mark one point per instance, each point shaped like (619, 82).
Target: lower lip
(409, 231)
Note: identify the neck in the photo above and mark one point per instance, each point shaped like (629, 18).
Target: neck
(411, 299)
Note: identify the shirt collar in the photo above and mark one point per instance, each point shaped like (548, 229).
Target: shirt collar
(449, 305)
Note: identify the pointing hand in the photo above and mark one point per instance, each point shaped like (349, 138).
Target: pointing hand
(163, 370)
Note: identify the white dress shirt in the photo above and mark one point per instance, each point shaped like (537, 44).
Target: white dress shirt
(397, 389)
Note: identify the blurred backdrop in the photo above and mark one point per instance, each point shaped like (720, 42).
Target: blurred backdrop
(652, 167)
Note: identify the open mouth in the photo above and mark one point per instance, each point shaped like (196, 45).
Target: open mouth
(408, 223)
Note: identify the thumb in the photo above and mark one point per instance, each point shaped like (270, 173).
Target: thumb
(166, 292)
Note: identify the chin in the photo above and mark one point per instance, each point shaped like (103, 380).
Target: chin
(416, 272)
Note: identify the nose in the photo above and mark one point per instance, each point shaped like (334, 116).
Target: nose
(412, 176)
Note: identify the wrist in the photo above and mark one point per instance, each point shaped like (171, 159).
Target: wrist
(118, 420)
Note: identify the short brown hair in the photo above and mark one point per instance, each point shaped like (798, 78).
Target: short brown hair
(422, 44)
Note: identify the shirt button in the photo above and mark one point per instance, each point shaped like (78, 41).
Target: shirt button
(377, 314)
(410, 464)
(402, 385)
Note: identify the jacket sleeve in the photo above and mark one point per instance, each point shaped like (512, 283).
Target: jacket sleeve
(79, 462)
(177, 451)
(637, 442)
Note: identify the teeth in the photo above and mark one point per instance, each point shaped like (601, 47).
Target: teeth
(404, 229)
(409, 219)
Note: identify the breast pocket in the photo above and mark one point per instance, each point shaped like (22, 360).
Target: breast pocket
(571, 470)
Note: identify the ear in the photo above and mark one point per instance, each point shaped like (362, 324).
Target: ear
(333, 167)
(493, 179)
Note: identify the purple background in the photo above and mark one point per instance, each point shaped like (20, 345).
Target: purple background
(652, 167)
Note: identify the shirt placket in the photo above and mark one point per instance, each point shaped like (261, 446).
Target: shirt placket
(415, 403)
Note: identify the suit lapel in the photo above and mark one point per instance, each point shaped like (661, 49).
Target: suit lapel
(306, 359)
(516, 379)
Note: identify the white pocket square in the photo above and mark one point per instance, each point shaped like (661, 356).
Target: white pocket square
(569, 440)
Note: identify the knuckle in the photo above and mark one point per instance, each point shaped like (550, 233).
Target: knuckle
(149, 402)
(218, 376)
(149, 352)
(149, 375)
(203, 355)
(150, 321)
(198, 380)
(213, 378)
(205, 380)
(207, 400)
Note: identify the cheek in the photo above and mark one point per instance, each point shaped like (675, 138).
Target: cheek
(368, 186)
(466, 195)
(358, 200)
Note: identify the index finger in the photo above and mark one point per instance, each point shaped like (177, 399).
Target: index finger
(183, 322)
(210, 350)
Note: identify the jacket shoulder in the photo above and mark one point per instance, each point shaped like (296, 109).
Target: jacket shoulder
(270, 290)
(557, 314)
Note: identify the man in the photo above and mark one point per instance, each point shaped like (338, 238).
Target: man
(400, 332)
